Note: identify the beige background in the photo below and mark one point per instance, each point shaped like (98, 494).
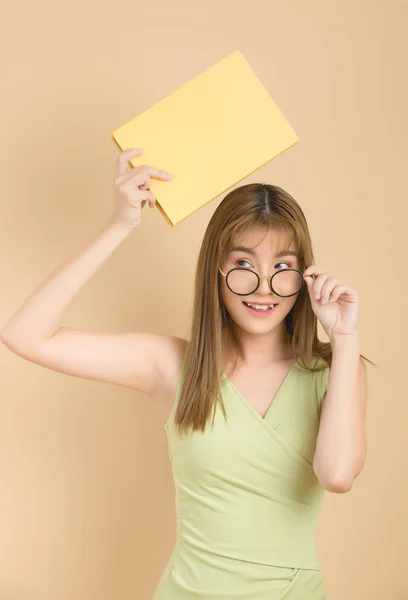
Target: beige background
(86, 502)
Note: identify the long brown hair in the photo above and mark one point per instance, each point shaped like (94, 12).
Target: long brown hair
(212, 336)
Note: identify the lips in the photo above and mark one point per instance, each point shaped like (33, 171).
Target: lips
(260, 312)
(261, 303)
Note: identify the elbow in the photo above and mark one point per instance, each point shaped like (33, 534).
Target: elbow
(4, 338)
(12, 343)
(6, 335)
(337, 484)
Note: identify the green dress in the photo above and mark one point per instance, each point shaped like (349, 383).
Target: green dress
(247, 498)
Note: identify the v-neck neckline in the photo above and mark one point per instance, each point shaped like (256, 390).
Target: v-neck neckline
(274, 399)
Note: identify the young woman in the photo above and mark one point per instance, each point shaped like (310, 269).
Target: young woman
(261, 416)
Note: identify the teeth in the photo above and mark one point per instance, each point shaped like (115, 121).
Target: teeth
(260, 307)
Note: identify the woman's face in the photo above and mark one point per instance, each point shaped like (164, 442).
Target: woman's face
(269, 256)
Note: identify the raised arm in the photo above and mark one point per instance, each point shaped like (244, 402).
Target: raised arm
(35, 333)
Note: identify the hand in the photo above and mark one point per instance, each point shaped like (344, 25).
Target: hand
(131, 188)
(337, 305)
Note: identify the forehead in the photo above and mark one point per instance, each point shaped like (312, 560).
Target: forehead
(258, 243)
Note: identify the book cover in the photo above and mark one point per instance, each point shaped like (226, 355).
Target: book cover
(210, 133)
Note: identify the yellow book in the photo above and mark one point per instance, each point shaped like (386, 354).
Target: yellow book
(209, 134)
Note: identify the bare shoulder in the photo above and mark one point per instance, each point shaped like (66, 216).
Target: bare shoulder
(169, 367)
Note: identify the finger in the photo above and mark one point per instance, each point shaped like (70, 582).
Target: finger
(148, 196)
(339, 290)
(327, 289)
(135, 179)
(313, 270)
(122, 167)
(317, 284)
(141, 175)
(146, 171)
(142, 196)
(147, 182)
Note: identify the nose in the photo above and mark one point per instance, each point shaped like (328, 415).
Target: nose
(264, 285)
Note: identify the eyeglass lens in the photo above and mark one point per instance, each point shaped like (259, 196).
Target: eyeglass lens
(285, 282)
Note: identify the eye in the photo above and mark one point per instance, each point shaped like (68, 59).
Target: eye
(285, 263)
(241, 261)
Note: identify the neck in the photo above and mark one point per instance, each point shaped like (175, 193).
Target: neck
(260, 349)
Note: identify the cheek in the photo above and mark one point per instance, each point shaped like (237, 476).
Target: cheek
(226, 294)
(230, 300)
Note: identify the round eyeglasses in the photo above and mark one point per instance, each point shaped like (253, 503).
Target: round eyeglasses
(243, 282)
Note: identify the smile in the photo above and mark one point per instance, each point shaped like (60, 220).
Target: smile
(259, 309)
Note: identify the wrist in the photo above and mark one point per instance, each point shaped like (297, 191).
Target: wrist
(346, 340)
(116, 224)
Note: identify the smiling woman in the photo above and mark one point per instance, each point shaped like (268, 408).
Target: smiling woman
(244, 424)
(256, 427)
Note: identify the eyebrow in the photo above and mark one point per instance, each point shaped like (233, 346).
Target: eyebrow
(253, 252)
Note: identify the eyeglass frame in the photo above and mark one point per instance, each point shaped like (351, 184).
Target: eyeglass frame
(260, 277)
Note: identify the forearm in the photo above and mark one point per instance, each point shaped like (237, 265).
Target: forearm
(41, 314)
(341, 442)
